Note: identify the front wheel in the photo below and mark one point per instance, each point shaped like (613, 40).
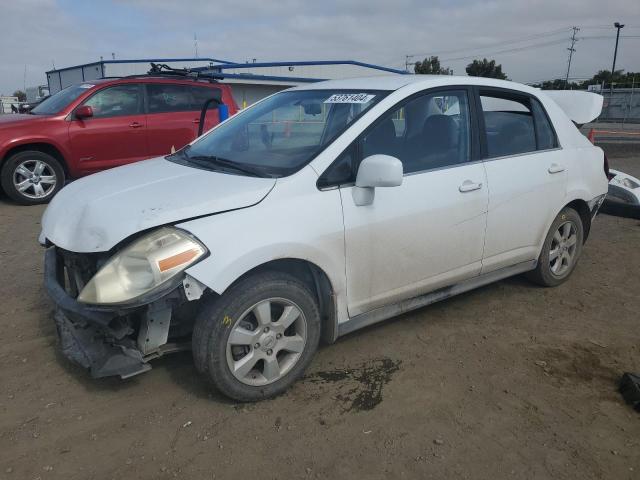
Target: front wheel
(31, 177)
(561, 250)
(257, 339)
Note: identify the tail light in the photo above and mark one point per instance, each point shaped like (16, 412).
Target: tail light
(606, 169)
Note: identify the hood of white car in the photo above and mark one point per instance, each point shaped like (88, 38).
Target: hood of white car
(95, 213)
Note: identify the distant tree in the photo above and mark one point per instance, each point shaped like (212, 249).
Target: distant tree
(620, 79)
(556, 84)
(485, 68)
(431, 66)
(22, 97)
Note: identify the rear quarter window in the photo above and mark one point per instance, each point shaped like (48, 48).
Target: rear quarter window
(545, 134)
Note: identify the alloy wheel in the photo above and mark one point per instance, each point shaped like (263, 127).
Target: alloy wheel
(34, 179)
(563, 249)
(266, 341)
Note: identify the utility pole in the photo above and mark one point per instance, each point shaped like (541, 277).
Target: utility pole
(571, 50)
(619, 26)
(407, 63)
(195, 44)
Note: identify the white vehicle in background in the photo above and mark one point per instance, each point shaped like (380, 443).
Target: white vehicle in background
(623, 197)
(313, 213)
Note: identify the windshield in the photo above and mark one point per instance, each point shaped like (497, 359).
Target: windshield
(56, 103)
(281, 134)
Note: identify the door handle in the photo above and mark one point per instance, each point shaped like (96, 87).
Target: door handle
(135, 125)
(469, 186)
(197, 120)
(555, 168)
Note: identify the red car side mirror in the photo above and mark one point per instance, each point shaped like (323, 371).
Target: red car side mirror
(84, 111)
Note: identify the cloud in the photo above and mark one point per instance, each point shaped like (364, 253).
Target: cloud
(376, 31)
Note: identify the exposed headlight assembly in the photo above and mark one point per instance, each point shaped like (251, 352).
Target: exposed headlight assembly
(139, 268)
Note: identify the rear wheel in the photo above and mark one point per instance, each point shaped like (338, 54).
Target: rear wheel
(561, 250)
(32, 177)
(257, 339)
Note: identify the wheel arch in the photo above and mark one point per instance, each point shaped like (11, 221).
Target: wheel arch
(40, 146)
(582, 208)
(316, 279)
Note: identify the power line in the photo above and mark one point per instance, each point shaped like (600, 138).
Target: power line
(606, 27)
(497, 44)
(508, 50)
(600, 37)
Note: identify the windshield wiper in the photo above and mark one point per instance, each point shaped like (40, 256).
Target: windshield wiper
(212, 160)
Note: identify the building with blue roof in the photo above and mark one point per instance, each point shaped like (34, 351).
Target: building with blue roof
(250, 81)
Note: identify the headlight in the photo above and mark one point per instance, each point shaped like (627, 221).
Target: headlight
(142, 266)
(627, 182)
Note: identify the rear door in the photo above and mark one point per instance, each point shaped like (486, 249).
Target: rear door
(526, 176)
(172, 118)
(116, 134)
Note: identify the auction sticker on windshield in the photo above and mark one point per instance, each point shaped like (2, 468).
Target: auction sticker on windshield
(350, 98)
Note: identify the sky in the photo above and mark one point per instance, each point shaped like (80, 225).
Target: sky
(528, 37)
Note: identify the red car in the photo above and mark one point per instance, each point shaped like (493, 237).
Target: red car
(101, 124)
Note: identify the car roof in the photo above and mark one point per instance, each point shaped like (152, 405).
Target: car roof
(152, 79)
(397, 81)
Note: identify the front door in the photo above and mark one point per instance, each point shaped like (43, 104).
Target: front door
(428, 232)
(115, 134)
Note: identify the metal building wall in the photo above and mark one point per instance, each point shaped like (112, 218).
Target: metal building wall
(246, 94)
(318, 71)
(123, 69)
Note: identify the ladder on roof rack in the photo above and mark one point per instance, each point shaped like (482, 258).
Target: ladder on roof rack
(162, 69)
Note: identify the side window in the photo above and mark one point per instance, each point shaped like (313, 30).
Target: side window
(508, 124)
(116, 101)
(544, 132)
(202, 94)
(165, 98)
(430, 131)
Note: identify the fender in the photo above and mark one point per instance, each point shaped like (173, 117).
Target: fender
(582, 195)
(294, 221)
(39, 139)
(231, 272)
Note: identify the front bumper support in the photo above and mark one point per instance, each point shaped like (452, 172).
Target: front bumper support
(96, 339)
(87, 346)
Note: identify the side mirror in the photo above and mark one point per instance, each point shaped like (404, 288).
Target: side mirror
(83, 111)
(376, 171)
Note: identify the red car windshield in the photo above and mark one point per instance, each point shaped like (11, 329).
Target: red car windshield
(56, 103)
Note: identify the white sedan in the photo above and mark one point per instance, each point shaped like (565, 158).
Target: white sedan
(315, 212)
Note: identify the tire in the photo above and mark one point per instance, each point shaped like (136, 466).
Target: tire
(559, 246)
(260, 336)
(29, 168)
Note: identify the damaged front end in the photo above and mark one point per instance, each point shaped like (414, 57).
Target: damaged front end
(117, 339)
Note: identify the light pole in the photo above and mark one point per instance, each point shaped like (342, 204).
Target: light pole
(619, 26)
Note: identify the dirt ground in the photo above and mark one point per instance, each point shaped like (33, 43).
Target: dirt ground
(508, 381)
